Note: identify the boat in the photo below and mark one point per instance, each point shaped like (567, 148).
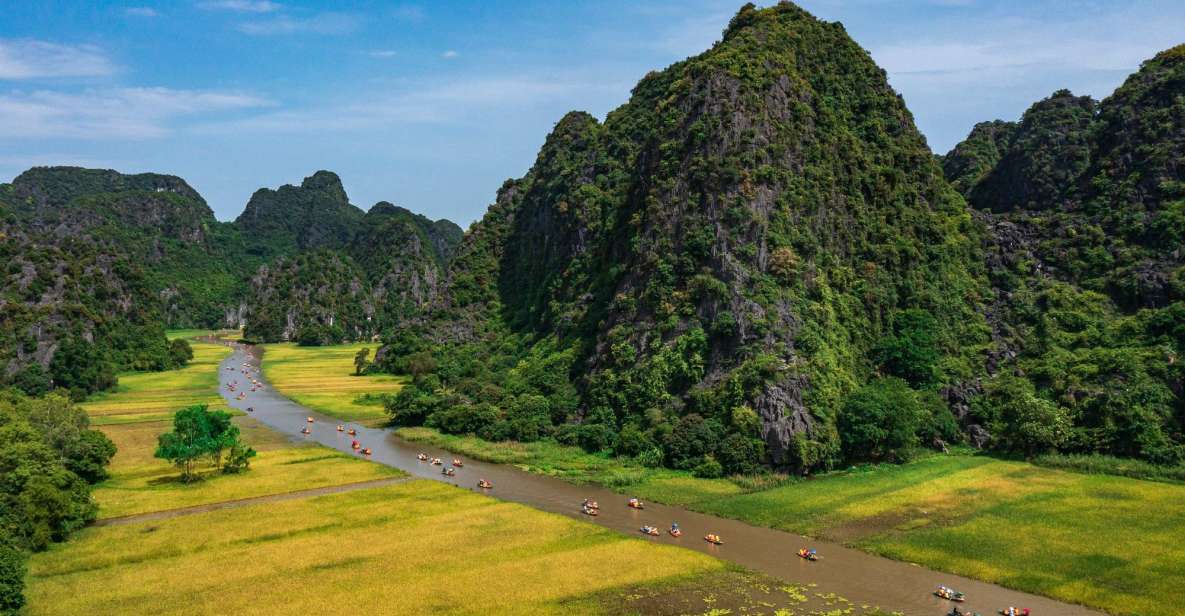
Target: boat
(649, 530)
(483, 484)
(448, 471)
(457, 463)
(949, 594)
(340, 428)
(437, 461)
(591, 504)
(422, 457)
(366, 451)
(352, 432)
(354, 444)
(715, 539)
(808, 554)
(250, 409)
(634, 503)
(310, 420)
(675, 532)
(589, 511)
(305, 430)
(1014, 611)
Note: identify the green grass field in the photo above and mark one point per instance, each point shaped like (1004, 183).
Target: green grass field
(154, 396)
(322, 378)
(1109, 542)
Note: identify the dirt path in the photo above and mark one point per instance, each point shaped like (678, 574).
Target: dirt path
(255, 500)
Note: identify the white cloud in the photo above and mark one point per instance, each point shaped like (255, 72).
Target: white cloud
(241, 6)
(450, 54)
(32, 59)
(123, 113)
(420, 103)
(382, 53)
(140, 11)
(323, 23)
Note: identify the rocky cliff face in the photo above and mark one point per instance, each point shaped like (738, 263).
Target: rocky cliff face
(741, 233)
(373, 271)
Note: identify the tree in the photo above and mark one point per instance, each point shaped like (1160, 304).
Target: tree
(691, 440)
(12, 578)
(200, 433)
(738, 453)
(180, 353)
(912, 351)
(361, 360)
(1023, 421)
(879, 421)
(80, 367)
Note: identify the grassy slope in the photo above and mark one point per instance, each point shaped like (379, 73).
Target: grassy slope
(322, 378)
(1109, 542)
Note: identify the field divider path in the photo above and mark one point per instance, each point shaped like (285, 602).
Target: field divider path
(253, 500)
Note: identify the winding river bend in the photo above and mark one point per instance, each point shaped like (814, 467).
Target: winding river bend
(860, 577)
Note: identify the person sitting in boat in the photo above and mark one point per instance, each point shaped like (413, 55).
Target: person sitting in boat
(674, 527)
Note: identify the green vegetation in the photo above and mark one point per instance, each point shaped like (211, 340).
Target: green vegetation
(340, 275)
(199, 433)
(154, 396)
(1094, 539)
(323, 378)
(49, 458)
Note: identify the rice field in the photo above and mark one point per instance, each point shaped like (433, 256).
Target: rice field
(154, 396)
(1108, 542)
(322, 378)
(415, 548)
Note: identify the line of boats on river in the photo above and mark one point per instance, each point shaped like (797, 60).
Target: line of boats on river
(590, 507)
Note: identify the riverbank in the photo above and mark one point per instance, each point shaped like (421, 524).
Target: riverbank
(322, 378)
(297, 534)
(1108, 542)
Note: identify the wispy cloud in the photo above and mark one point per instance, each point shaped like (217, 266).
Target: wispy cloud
(124, 113)
(140, 11)
(32, 59)
(382, 53)
(419, 103)
(450, 54)
(240, 6)
(322, 23)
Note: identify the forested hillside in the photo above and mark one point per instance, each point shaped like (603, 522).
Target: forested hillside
(1084, 206)
(99, 263)
(707, 277)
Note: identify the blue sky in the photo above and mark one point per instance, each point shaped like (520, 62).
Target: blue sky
(432, 105)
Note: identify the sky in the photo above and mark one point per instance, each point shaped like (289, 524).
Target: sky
(432, 105)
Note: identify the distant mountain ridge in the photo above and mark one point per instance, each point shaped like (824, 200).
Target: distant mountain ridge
(137, 253)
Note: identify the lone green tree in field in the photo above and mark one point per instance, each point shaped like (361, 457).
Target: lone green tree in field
(361, 360)
(201, 433)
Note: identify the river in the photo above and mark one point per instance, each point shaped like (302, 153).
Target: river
(860, 577)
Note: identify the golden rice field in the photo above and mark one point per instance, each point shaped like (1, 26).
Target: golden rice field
(322, 378)
(154, 396)
(154, 487)
(415, 548)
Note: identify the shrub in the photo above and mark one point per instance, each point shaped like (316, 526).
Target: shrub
(12, 579)
(879, 421)
(708, 468)
(739, 454)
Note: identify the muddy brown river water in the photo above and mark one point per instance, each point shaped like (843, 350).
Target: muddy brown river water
(860, 577)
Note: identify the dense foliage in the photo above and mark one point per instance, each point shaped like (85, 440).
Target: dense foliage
(760, 227)
(201, 434)
(358, 275)
(48, 459)
(98, 262)
(1085, 248)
